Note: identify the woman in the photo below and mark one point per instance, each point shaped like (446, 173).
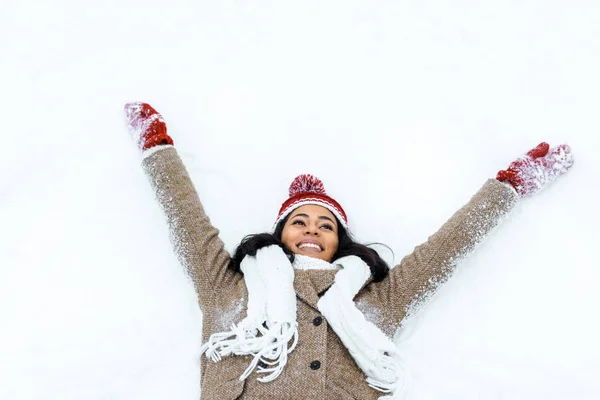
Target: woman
(305, 312)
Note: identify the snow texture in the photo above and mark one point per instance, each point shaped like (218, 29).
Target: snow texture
(479, 223)
(231, 315)
(137, 125)
(403, 109)
(539, 172)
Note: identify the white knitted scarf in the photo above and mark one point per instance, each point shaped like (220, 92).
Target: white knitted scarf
(270, 330)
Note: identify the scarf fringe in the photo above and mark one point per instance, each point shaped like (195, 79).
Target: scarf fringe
(274, 350)
(239, 340)
(270, 345)
(387, 372)
(395, 377)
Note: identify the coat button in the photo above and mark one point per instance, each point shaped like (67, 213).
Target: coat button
(315, 365)
(318, 321)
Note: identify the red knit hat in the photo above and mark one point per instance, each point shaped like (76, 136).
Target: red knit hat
(307, 189)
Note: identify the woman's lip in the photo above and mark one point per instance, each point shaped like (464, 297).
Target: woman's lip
(310, 249)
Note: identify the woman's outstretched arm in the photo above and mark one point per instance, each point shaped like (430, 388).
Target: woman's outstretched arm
(411, 283)
(196, 242)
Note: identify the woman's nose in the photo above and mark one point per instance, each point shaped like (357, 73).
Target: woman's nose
(312, 230)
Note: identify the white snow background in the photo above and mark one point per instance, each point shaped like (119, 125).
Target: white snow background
(402, 108)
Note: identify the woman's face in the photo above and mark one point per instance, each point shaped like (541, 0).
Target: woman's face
(311, 231)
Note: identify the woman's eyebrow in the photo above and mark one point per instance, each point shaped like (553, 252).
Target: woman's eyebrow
(306, 216)
(325, 217)
(300, 215)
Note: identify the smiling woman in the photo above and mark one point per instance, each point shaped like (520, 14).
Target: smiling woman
(311, 230)
(311, 223)
(306, 312)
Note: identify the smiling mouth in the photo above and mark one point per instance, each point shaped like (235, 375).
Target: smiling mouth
(310, 247)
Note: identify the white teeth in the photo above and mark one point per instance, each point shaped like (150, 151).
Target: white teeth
(315, 246)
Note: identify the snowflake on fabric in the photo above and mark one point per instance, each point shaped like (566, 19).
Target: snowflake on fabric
(540, 166)
(307, 183)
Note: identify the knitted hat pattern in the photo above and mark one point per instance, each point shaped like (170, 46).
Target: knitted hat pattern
(307, 189)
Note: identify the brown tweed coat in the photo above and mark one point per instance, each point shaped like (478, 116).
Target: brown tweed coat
(320, 367)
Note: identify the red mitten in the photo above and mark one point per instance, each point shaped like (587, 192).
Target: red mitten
(146, 125)
(540, 166)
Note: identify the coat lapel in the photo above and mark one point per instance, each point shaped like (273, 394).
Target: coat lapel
(309, 284)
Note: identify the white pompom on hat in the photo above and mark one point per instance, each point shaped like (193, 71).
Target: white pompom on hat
(307, 189)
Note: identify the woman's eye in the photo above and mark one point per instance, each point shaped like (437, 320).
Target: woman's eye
(328, 227)
(298, 222)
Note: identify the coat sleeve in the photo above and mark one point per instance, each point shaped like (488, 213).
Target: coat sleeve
(412, 282)
(195, 241)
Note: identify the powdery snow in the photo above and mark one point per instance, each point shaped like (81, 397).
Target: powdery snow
(403, 109)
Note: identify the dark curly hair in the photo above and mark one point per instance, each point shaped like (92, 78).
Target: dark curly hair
(346, 247)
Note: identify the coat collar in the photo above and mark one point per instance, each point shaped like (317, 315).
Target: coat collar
(311, 284)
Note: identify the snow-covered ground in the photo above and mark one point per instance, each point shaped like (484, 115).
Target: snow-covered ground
(402, 108)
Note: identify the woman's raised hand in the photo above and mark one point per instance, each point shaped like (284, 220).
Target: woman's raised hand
(146, 125)
(540, 166)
